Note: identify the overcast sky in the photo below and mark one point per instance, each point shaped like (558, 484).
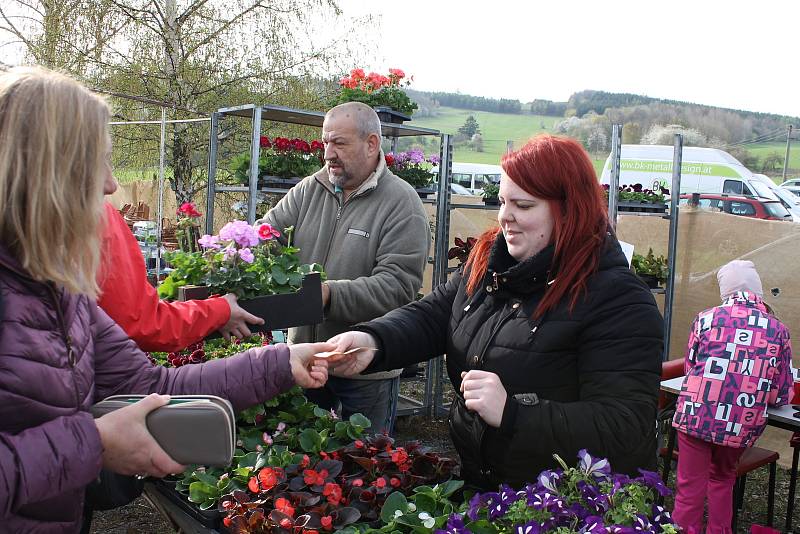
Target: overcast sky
(734, 54)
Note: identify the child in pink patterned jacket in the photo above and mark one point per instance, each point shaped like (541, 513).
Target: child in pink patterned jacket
(738, 362)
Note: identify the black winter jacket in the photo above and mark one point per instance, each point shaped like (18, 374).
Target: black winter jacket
(595, 370)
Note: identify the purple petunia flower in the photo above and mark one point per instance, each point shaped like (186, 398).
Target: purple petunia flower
(435, 160)
(597, 467)
(593, 525)
(455, 525)
(549, 480)
(653, 480)
(531, 527)
(415, 155)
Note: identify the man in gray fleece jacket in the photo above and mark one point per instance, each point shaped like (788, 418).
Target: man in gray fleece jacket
(368, 229)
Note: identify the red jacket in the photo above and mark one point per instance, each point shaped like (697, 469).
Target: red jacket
(127, 297)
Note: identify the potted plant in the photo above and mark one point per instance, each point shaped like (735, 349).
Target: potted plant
(383, 93)
(652, 269)
(635, 198)
(490, 194)
(282, 162)
(266, 276)
(413, 167)
(188, 228)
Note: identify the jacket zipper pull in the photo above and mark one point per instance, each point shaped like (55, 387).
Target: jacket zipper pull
(339, 212)
(494, 282)
(70, 352)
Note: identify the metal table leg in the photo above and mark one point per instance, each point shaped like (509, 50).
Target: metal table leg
(792, 485)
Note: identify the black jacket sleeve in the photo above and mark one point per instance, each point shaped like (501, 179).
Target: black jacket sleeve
(416, 332)
(619, 367)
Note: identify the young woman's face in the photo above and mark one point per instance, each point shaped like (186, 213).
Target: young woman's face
(526, 220)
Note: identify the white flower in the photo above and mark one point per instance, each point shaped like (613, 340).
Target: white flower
(412, 507)
(427, 520)
(397, 513)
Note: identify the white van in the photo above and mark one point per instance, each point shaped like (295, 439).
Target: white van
(703, 170)
(474, 175)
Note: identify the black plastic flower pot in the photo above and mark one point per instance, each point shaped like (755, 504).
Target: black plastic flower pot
(388, 115)
(650, 280)
(491, 201)
(277, 182)
(641, 207)
(301, 308)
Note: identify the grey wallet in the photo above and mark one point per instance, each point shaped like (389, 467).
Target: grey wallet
(192, 429)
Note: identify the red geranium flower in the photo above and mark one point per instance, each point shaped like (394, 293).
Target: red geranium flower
(380, 483)
(314, 478)
(359, 444)
(327, 522)
(283, 505)
(358, 483)
(317, 145)
(395, 482)
(305, 461)
(188, 209)
(263, 142)
(333, 492)
(281, 143)
(267, 232)
(399, 456)
(389, 160)
(267, 478)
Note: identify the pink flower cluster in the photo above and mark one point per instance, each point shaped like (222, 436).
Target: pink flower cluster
(237, 238)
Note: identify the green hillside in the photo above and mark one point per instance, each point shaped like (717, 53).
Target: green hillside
(496, 129)
(762, 150)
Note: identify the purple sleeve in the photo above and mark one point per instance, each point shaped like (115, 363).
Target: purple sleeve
(245, 379)
(42, 462)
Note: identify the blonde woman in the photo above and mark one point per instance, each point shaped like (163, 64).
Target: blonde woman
(59, 352)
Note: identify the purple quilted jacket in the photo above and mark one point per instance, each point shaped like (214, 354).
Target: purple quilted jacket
(60, 353)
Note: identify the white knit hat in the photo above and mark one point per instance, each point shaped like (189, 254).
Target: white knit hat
(739, 275)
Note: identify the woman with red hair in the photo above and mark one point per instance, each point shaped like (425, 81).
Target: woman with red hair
(553, 345)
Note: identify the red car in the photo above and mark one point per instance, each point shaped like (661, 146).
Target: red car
(758, 208)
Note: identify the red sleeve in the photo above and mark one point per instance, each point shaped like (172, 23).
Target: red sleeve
(127, 297)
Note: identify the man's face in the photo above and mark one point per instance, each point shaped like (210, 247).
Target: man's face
(349, 157)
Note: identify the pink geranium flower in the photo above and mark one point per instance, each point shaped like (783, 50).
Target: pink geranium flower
(267, 232)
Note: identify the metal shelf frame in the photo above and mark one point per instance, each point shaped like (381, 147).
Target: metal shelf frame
(672, 216)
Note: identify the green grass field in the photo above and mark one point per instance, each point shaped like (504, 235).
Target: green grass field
(496, 129)
(762, 150)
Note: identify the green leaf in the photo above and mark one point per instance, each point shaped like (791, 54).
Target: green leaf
(450, 487)
(359, 420)
(199, 492)
(395, 501)
(310, 440)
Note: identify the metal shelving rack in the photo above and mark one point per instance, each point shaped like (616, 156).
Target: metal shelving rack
(672, 216)
(276, 114)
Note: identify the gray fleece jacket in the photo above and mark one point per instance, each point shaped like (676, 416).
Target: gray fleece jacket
(373, 247)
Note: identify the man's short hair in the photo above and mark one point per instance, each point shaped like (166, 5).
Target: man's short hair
(366, 120)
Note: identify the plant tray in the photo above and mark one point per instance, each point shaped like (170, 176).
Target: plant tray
(387, 114)
(277, 182)
(491, 201)
(211, 519)
(303, 307)
(641, 207)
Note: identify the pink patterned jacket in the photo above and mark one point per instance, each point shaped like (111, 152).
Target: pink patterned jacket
(738, 362)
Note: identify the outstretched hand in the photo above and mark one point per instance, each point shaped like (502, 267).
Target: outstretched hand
(484, 393)
(238, 321)
(354, 362)
(308, 371)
